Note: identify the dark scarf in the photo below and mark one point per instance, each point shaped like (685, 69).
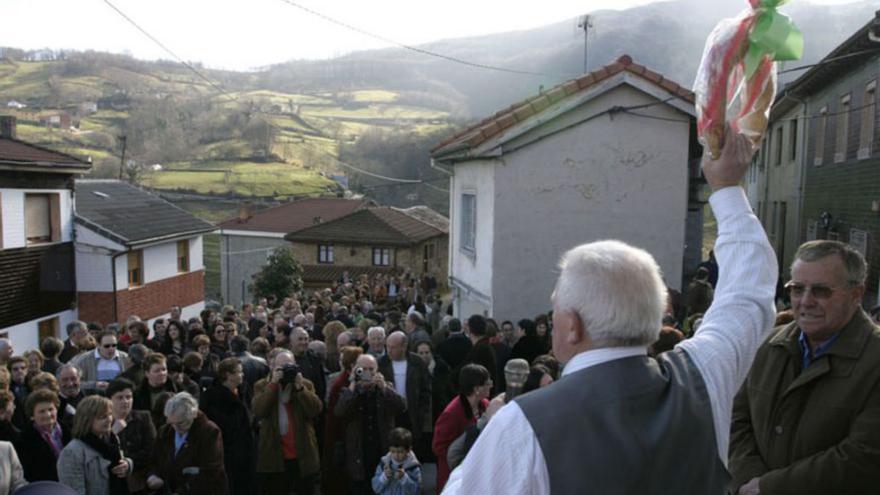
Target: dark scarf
(110, 450)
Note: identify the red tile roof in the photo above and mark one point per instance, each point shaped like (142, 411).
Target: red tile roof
(381, 225)
(296, 215)
(15, 152)
(490, 127)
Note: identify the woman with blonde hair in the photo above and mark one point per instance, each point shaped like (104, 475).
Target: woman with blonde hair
(93, 462)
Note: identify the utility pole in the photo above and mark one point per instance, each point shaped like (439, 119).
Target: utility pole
(122, 138)
(586, 23)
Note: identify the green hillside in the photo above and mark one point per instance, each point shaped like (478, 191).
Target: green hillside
(184, 135)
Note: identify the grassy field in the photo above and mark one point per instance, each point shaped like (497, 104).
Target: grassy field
(242, 178)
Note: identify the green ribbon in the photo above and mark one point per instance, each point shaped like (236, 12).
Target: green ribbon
(774, 34)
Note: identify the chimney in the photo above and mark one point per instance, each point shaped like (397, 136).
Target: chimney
(244, 212)
(7, 127)
(317, 220)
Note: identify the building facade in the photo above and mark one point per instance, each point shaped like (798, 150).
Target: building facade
(373, 240)
(37, 276)
(136, 254)
(610, 155)
(247, 240)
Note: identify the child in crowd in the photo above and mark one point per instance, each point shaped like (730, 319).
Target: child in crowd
(398, 472)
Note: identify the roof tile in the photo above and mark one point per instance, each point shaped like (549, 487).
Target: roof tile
(487, 128)
(20, 152)
(296, 215)
(380, 225)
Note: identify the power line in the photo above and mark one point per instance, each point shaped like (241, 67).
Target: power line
(168, 50)
(417, 49)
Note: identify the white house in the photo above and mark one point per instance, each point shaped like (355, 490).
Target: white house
(37, 284)
(610, 155)
(136, 254)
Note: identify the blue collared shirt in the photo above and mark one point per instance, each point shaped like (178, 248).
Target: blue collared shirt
(179, 440)
(809, 354)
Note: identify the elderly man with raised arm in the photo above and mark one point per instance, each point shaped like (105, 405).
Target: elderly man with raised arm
(618, 421)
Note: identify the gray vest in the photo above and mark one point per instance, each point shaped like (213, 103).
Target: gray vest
(636, 425)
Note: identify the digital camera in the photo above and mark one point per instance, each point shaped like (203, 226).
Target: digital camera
(289, 372)
(363, 376)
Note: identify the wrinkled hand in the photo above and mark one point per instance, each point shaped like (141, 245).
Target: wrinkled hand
(750, 488)
(121, 469)
(494, 405)
(379, 380)
(277, 374)
(730, 168)
(154, 482)
(298, 381)
(399, 474)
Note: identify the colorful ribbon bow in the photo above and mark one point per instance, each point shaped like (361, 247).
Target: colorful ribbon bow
(773, 34)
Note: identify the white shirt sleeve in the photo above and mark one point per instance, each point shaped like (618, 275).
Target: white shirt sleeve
(742, 310)
(491, 468)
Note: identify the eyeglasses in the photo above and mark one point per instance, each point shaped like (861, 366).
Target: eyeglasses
(797, 290)
(109, 346)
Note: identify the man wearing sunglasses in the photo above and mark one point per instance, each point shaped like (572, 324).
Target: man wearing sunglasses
(105, 363)
(807, 419)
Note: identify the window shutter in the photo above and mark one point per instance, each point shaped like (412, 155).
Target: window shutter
(38, 227)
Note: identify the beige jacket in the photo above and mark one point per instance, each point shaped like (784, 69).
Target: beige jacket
(11, 473)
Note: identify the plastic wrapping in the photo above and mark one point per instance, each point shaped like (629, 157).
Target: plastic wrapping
(724, 94)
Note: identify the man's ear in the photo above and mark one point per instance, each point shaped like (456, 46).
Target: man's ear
(577, 335)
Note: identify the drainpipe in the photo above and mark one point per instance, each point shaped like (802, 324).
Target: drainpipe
(113, 269)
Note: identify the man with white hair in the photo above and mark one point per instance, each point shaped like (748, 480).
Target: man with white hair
(376, 342)
(76, 332)
(617, 420)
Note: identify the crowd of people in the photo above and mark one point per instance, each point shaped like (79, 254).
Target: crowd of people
(352, 389)
(343, 390)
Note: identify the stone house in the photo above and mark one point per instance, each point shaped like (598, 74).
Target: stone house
(137, 254)
(373, 240)
(247, 240)
(610, 155)
(37, 276)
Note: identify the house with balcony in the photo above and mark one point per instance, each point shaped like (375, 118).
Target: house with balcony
(247, 240)
(136, 254)
(37, 274)
(380, 239)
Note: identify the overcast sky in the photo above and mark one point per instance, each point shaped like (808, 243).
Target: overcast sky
(242, 34)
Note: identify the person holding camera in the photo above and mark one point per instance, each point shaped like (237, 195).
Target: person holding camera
(399, 471)
(286, 404)
(368, 408)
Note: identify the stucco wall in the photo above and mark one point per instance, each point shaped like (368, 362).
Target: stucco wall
(623, 178)
(26, 335)
(474, 269)
(240, 258)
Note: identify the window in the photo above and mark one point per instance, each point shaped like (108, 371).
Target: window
(468, 222)
(842, 130)
(325, 253)
(47, 328)
(182, 256)
(381, 257)
(135, 268)
(819, 155)
(778, 146)
(42, 218)
(869, 112)
(792, 139)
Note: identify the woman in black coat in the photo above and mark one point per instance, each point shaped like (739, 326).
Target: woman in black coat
(37, 454)
(135, 430)
(225, 403)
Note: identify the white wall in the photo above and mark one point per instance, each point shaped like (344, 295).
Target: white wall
(25, 336)
(476, 177)
(196, 259)
(94, 272)
(622, 179)
(160, 262)
(12, 209)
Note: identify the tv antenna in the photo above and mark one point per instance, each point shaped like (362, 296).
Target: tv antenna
(585, 23)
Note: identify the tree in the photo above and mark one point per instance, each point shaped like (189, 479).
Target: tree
(280, 277)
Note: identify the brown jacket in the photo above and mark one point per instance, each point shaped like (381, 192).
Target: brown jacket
(306, 406)
(203, 450)
(815, 431)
